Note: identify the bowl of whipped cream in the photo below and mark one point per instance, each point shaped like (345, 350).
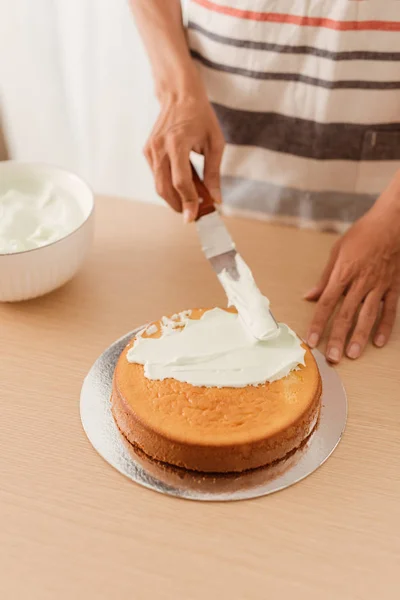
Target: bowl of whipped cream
(46, 228)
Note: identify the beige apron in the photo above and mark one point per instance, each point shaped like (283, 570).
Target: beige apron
(308, 96)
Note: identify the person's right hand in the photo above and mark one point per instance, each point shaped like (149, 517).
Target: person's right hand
(182, 126)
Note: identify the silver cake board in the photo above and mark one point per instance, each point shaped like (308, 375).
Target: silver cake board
(100, 428)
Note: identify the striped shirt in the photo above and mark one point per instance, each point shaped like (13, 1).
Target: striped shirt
(308, 96)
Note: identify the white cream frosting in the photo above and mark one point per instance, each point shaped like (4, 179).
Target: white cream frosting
(215, 351)
(251, 305)
(242, 293)
(29, 221)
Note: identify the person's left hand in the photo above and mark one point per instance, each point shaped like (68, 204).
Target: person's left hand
(364, 267)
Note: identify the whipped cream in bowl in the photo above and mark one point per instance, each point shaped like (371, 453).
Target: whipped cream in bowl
(46, 226)
(35, 219)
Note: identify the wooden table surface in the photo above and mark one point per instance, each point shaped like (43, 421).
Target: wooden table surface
(73, 527)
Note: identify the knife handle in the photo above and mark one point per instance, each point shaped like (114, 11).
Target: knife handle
(206, 205)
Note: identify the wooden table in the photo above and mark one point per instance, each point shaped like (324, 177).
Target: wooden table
(71, 527)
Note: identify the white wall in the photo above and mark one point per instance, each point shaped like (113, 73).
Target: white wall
(76, 90)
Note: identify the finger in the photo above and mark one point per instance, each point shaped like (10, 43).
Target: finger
(387, 319)
(315, 293)
(147, 151)
(164, 185)
(154, 150)
(343, 321)
(325, 307)
(212, 166)
(366, 320)
(182, 180)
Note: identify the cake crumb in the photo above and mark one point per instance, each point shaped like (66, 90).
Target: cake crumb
(151, 330)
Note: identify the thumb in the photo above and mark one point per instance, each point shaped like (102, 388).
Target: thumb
(315, 293)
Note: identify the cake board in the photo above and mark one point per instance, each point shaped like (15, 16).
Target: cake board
(103, 433)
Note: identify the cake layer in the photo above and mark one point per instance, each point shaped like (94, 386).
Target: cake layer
(215, 429)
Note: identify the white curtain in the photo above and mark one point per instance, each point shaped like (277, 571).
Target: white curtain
(76, 90)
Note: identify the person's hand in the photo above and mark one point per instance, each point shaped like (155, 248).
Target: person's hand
(182, 126)
(364, 267)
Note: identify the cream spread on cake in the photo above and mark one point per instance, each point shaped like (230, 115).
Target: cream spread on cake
(215, 351)
(29, 221)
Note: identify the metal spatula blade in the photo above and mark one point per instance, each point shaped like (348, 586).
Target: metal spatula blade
(233, 273)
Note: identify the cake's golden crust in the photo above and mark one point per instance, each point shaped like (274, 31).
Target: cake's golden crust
(215, 429)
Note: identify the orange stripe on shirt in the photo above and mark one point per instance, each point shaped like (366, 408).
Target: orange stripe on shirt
(298, 20)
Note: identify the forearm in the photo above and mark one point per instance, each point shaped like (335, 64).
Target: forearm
(161, 28)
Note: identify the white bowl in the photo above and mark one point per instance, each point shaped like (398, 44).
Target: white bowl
(32, 273)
